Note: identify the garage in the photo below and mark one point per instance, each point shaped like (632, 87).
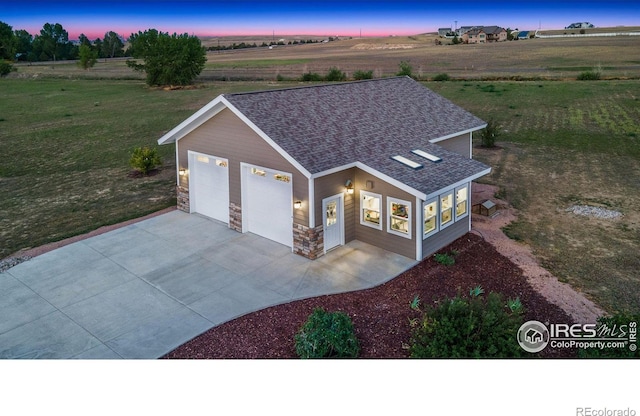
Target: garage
(267, 207)
(209, 186)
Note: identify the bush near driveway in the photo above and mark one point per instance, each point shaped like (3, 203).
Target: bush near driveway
(469, 328)
(327, 335)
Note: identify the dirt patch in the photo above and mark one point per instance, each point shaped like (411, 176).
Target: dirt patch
(575, 304)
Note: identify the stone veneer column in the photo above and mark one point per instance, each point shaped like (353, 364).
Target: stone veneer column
(235, 217)
(182, 194)
(308, 242)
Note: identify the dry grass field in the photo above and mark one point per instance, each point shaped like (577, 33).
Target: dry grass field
(562, 58)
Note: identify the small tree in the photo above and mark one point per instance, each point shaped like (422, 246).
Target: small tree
(489, 134)
(5, 68)
(88, 57)
(405, 69)
(145, 159)
(335, 74)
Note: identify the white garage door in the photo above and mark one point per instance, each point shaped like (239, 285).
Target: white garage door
(209, 186)
(267, 206)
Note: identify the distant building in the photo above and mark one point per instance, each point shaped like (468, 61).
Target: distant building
(445, 32)
(580, 25)
(485, 34)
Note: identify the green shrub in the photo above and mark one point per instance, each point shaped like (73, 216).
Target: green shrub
(335, 74)
(589, 75)
(327, 335)
(405, 69)
(442, 77)
(469, 328)
(616, 323)
(145, 159)
(360, 75)
(489, 134)
(444, 258)
(6, 68)
(311, 76)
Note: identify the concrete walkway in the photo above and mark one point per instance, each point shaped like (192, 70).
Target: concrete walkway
(144, 289)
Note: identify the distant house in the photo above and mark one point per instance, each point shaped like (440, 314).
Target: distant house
(385, 161)
(445, 32)
(485, 34)
(475, 35)
(495, 33)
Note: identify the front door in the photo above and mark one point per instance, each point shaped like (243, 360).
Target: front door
(333, 222)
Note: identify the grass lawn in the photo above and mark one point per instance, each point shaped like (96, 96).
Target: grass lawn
(568, 143)
(66, 146)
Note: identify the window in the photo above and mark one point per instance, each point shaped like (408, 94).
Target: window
(370, 209)
(430, 218)
(399, 217)
(461, 202)
(446, 210)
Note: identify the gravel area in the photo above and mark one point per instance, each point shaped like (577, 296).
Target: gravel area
(9, 262)
(596, 212)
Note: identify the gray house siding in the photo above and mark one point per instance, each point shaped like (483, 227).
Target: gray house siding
(382, 238)
(226, 136)
(459, 144)
(442, 238)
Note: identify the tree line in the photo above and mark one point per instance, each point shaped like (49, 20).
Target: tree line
(52, 44)
(165, 59)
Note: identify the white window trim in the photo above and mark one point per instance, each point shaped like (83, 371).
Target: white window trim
(362, 221)
(442, 225)
(391, 200)
(455, 204)
(432, 232)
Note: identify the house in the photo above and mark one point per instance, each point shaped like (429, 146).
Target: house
(444, 32)
(485, 34)
(475, 35)
(384, 161)
(495, 33)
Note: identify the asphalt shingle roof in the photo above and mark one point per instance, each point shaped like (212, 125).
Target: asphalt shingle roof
(332, 125)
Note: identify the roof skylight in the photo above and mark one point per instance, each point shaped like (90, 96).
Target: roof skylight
(407, 162)
(426, 155)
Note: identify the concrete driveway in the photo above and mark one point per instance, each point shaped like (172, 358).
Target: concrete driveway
(144, 289)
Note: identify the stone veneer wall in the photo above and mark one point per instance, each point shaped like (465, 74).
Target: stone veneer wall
(235, 217)
(308, 242)
(182, 194)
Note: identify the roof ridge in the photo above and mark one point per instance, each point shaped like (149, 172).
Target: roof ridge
(332, 84)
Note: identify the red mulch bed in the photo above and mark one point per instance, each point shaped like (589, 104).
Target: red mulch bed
(380, 315)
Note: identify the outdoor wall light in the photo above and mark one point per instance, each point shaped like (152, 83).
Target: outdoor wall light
(297, 204)
(182, 172)
(349, 186)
